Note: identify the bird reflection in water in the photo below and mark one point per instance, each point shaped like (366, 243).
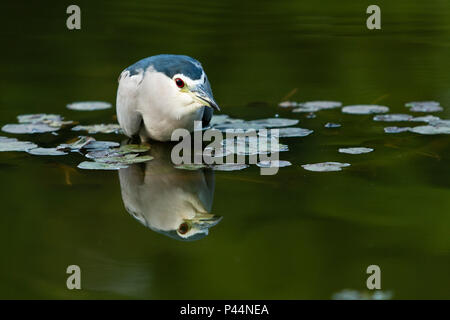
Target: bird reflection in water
(174, 202)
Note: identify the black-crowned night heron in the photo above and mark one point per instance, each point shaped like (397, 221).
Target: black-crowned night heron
(159, 94)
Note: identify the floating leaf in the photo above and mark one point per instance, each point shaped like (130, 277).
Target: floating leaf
(287, 132)
(101, 145)
(129, 158)
(273, 164)
(314, 106)
(46, 152)
(52, 120)
(99, 128)
(12, 144)
(89, 106)
(431, 130)
(191, 167)
(394, 117)
(80, 143)
(396, 129)
(229, 167)
(325, 166)
(365, 109)
(252, 145)
(332, 125)
(274, 122)
(358, 150)
(91, 165)
(428, 118)
(287, 104)
(128, 148)
(424, 106)
(28, 128)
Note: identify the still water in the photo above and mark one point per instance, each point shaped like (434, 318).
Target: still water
(295, 235)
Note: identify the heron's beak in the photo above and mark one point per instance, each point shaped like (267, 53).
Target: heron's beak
(204, 220)
(203, 95)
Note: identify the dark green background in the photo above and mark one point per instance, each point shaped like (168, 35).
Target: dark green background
(295, 235)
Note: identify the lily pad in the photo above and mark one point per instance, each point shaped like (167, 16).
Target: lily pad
(332, 125)
(365, 109)
(396, 129)
(273, 164)
(424, 106)
(288, 132)
(230, 167)
(28, 128)
(91, 165)
(314, 106)
(431, 130)
(12, 144)
(358, 150)
(128, 148)
(101, 145)
(52, 120)
(325, 166)
(428, 118)
(80, 143)
(46, 152)
(89, 106)
(99, 128)
(274, 122)
(287, 104)
(393, 117)
(129, 158)
(252, 146)
(192, 167)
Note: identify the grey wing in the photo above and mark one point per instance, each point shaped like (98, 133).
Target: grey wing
(129, 118)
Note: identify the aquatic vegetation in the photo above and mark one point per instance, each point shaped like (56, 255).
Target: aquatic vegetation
(46, 152)
(325, 166)
(288, 132)
(273, 164)
(365, 109)
(396, 129)
(288, 104)
(36, 123)
(431, 129)
(12, 144)
(101, 145)
(273, 122)
(332, 125)
(78, 144)
(191, 167)
(357, 150)
(348, 294)
(229, 167)
(224, 122)
(99, 128)
(314, 106)
(393, 117)
(89, 106)
(252, 146)
(92, 165)
(424, 106)
(28, 128)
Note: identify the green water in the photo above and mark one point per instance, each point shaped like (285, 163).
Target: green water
(295, 235)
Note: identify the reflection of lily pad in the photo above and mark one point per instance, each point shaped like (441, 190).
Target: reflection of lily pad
(46, 152)
(99, 128)
(325, 166)
(288, 132)
(91, 165)
(12, 144)
(192, 166)
(273, 164)
(365, 109)
(358, 150)
(89, 106)
(28, 128)
(424, 106)
(229, 167)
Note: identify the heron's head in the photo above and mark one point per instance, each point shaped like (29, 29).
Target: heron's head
(176, 82)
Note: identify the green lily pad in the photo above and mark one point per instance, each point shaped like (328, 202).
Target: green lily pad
(192, 167)
(101, 145)
(129, 158)
(46, 152)
(273, 122)
(325, 166)
(89, 106)
(273, 164)
(357, 150)
(229, 167)
(99, 128)
(28, 128)
(91, 165)
(82, 142)
(429, 130)
(288, 132)
(424, 106)
(12, 144)
(314, 106)
(52, 120)
(365, 109)
(394, 117)
(396, 129)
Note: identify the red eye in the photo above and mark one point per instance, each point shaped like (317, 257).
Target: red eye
(183, 228)
(179, 82)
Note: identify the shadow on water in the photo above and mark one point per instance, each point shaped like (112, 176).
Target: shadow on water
(170, 201)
